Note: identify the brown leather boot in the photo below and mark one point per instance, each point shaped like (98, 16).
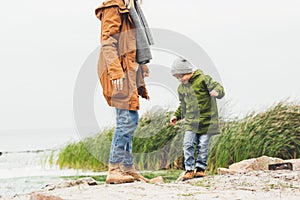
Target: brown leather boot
(116, 176)
(188, 175)
(138, 177)
(199, 172)
(130, 170)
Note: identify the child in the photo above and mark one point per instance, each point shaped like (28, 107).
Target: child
(197, 95)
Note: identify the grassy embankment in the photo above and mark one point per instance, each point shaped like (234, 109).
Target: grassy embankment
(275, 132)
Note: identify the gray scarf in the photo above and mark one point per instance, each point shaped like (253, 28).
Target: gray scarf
(143, 35)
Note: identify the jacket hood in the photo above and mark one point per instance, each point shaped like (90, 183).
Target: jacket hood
(196, 74)
(111, 3)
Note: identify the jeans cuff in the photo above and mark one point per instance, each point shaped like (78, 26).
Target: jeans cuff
(127, 165)
(189, 168)
(201, 166)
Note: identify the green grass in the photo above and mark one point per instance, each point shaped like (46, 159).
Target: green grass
(158, 146)
(275, 133)
(168, 175)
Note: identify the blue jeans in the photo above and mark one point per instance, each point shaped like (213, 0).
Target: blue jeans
(121, 145)
(201, 141)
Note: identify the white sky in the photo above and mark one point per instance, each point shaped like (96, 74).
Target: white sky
(254, 45)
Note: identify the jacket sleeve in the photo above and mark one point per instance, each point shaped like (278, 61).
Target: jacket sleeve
(213, 85)
(178, 112)
(110, 29)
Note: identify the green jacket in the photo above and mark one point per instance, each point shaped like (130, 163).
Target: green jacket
(197, 108)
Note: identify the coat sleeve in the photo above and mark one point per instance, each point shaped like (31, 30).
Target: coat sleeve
(110, 29)
(213, 85)
(178, 112)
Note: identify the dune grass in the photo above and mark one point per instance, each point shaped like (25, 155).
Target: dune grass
(157, 146)
(274, 133)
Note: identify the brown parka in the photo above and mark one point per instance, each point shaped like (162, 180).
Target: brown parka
(117, 58)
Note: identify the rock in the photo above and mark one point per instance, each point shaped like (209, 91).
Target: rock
(87, 181)
(158, 179)
(242, 166)
(262, 163)
(225, 171)
(44, 197)
(296, 164)
(254, 164)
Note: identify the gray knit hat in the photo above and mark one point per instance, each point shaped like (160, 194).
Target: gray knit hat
(181, 66)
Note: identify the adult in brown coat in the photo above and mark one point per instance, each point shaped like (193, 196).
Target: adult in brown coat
(121, 70)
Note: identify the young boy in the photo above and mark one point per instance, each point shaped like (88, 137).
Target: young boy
(197, 95)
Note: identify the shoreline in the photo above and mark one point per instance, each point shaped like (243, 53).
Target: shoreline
(26, 171)
(33, 150)
(28, 151)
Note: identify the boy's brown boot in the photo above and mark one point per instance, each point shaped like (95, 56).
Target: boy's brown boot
(115, 175)
(199, 172)
(189, 174)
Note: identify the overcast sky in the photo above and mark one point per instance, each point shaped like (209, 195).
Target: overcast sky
(254, 45)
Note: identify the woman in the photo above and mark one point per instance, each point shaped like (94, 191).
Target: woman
(125, 40)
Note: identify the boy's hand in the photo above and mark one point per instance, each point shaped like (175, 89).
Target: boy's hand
(173, 120)
(213, 93)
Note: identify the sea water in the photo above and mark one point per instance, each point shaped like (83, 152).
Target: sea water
(24, 162)
(24, 172)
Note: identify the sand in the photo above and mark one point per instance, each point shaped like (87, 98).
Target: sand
(280, 184)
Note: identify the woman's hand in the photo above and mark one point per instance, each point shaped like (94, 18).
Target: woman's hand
(145, 70)
(118, 84)
(146, 74)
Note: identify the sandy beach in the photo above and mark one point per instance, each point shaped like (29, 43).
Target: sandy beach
(281, 184)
